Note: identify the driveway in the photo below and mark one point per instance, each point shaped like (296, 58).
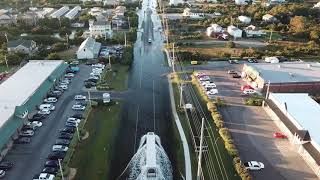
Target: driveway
(28, 159)
(252, 130)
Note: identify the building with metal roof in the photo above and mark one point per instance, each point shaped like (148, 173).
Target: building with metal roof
(60, 12)
(284, 77)
(89, 49)
(296, 114)
(73, 12)
(21, 93)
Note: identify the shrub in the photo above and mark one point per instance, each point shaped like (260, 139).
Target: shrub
(230, 44)
(254, 101)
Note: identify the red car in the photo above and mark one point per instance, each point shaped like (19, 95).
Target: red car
(279, 135)
(246, 87)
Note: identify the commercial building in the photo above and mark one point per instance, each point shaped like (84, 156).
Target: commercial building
(89, 49)
(60, 12)
(297, 115)
(21, 93)
(283, 77)
(73, 12)
(100, 29)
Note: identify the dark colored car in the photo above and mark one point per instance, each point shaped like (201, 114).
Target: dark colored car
(50, 170)
(51, 163)
(68, 130)
(38, 117)
(63, 142)
(236, 76)
(78, 116)
(71, 124)
(22, 140)
(252, 61)
(82, 103)
(6, 165)
(26, 127)
(56, 155)
(92, 80)
(64, 135)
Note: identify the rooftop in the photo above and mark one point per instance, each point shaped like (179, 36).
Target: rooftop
(17, 89)
(15, 43)
(303, 109)
(288, 72)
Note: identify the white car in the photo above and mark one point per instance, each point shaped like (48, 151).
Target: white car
(254, 165)
(206, 82)
(66, 81)
(63, 83)
(204, 78)
(50, 100)
(102, 66)
(63, 86)
(44, 111)
(44, 176)
(97, 77)
(249, 91)
(34, 124)
(97, 70)
(2, 173)
(80, 97)
(69, 75)
(212, 92)
(27, 133)
(75, 120)
(59, 148)
(211, 85)
(49, 107)
(78, 107)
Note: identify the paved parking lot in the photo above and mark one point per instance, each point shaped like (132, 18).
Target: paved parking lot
(28, 159)
(253, 130)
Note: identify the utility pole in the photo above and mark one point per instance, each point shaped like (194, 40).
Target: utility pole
(181, 89)
(89, 97)
(110, 62)
(129, 22)
(167, 32)
(67, 36)
(200, 153)
(6, 35)
(173, 58)
(60, 166)
(6, 60)
(267, 94)
(270, 38)
(59, 21)
(125, 39)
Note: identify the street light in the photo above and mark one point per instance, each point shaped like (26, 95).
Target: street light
(59, 161)
(77, 131)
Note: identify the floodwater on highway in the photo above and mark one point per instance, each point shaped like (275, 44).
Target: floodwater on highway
(148, 107)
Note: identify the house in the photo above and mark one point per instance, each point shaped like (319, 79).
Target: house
(7, 20)
(120, 10)
(214, 28)
(244, 19)
(29, 18)
(60, 12)
(89, 49)
(73, 12)
(253, 31)
(317, 6)
(234, 31)
(241, 2)
(269, 18)
(277, 1)
(175, 2)
(23, 46)
(96, 11)
(194, 15)
(100, 29)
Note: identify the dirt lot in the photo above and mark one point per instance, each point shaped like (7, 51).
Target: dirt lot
(252, 130)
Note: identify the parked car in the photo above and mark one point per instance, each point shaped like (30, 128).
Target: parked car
(78, 116)
(206, 82)
(56, 155)
(22, 140)
(64, 135)
(254, 165)
(65, 81)
(44, 111)
(233, 61)
(74, 62)
(2, 173)
(75, 120)
(82, 103)
(68, 130)
(27, 127)
(249, 91)
(89, 84)
(44, 176)
(71, 124)
(63, 142)
(204, 78)
(279, 135)
(51, 163)
(237, 75)
(80, 97)
(69, 75)
(63, 86)
(244, 87)
(38, 117)
(34, 124)
(231, 72)
(78, 107)
(211, 85)
(99, 65)
(6, 165)
(50, 100)
(26, 133)
(49, 107)
(50, 170)
(212, 92)
(252, 60)
(59, 148)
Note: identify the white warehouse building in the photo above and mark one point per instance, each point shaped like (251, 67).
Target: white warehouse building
(60, 12)
(234, 31)
(73, 12)
(89, 49)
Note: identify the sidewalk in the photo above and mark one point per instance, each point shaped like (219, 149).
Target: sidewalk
(186, 152)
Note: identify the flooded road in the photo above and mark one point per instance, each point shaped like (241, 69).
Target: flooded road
(148, 109)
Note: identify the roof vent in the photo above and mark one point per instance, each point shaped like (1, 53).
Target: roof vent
(291, 74)
(279, 66)
(309, 65)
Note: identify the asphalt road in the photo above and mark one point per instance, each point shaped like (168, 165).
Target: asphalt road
(252, 130)
(147, 108)
(28, 159)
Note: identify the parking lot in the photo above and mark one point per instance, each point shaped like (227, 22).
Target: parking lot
(29, 158)
(252, 130)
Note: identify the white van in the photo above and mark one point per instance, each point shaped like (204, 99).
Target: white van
(47, 106)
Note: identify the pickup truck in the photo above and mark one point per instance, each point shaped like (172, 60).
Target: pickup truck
(44, 176)
(254, 165)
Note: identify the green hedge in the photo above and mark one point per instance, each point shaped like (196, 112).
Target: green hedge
(254, 101)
